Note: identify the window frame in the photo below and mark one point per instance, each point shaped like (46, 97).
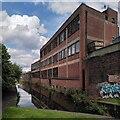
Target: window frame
(55, 72)
(77, 50)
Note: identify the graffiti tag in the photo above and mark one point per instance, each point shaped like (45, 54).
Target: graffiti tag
(109, 90)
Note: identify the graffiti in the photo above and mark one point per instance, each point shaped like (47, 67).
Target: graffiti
(109, 90)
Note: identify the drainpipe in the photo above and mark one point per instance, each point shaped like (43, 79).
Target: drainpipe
(84, 62)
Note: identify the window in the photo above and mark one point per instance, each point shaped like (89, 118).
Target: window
(73, 49)
(69, 51)
(69, 30)
(45, 51)
(36, 75)
(44, 74)
(113, 20)
(106, 17)
(62, 37)
(58, 40)
(46, 62)
(50, 60)
(55, 43)
(52, 45)
(43, 63)
(49, 73)
(73, 26)
(49, 47)
(77, 47)
(60, 55)
(66, 52)
(55, 58)
(55, 72)
(41, 54)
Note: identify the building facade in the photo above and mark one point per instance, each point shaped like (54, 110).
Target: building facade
(63, 57)
(35, 72)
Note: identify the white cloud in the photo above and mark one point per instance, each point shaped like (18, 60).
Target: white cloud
(68, 6)
(24, 58)
(24, 37)
(21, 57)
(41, 29)
(63, 6)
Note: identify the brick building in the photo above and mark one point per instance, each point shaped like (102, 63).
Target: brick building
(35, 71)
(63, 57)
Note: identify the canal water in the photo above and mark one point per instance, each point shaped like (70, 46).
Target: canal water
(24, 98)
(44, 99)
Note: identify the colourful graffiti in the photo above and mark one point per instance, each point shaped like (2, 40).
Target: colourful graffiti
(109, 90)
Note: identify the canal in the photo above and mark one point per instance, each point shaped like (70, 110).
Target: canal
(24, 98)
(45, 99)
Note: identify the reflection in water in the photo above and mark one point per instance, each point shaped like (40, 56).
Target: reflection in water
(52, 100)
(24, 98)
(45, 99)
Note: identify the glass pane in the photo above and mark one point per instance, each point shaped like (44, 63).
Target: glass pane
(77, 47)
(73, 49)
(69, 51)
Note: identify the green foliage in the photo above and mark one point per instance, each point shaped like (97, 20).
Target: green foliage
(37, 85)
(16, 71)
(10, 72)
(69, 92)
(45, 87)
(89, 106)
(110, 100)
(82, 99)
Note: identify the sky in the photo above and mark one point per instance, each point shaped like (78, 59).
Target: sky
(27, 26)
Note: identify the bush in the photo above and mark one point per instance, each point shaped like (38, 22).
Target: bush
(85, 104)
(69, 92)
(37, 85)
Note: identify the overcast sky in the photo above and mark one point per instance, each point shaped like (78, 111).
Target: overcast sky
(27, 26)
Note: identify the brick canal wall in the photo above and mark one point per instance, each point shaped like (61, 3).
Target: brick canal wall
(101, 66)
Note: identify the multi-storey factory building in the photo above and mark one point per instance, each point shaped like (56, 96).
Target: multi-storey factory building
(63, 58)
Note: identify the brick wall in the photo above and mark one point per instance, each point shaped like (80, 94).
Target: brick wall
(62, 71)
(35, 80)
(73, 70)
(62, 84)
(95, 26)
(100, 67)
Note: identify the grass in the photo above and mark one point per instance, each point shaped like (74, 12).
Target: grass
(14, 112)
(111, 100)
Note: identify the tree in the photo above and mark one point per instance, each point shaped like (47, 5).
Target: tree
(16, 71)
(10, 72)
